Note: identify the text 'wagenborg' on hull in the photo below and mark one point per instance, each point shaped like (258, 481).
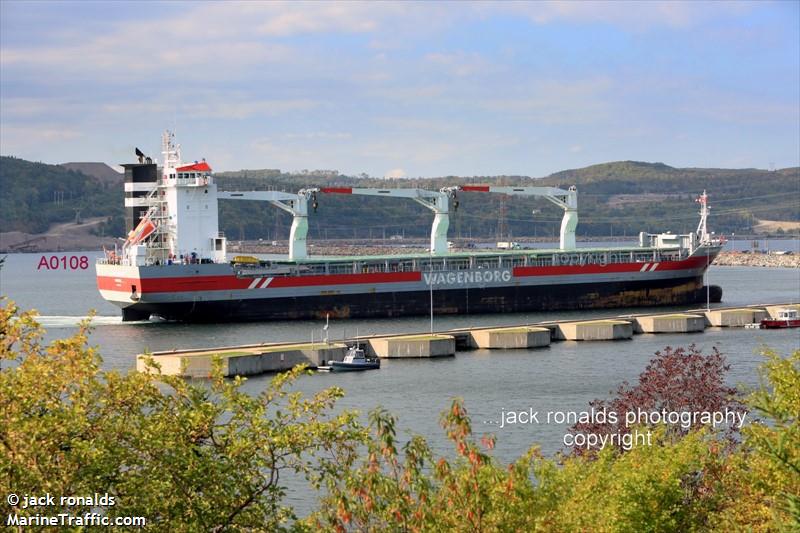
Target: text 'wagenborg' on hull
(174, 262)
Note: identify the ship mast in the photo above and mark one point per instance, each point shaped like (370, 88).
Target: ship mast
(702, 229)
(170, 151)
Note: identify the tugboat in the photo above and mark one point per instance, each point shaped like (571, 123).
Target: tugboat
(355, 359)
(787, 318)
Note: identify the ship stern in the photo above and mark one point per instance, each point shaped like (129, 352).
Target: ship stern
(121, 285)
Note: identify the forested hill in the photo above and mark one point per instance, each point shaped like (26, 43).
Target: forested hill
(619, 198)
(654, 192)
(34, 196)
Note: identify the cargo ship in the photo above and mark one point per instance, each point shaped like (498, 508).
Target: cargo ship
(174, 262)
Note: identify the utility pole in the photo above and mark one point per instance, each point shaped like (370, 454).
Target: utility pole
(502, 223)
(430, 284)
(708, 287)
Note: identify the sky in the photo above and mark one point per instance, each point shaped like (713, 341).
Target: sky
(404, 88)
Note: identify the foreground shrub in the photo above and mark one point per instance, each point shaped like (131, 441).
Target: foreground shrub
(208, 457)
(675, 380)
(693, 481)
(187, 457)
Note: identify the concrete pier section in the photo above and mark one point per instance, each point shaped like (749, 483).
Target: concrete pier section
(773, 309)
(595, 330)
(413, 346)
(731, 318)
(511, 337)
(275, 357)
(244, 361)
(675, 323)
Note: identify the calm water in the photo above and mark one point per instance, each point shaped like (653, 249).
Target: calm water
(565, 376)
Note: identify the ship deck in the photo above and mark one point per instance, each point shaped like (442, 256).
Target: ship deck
(535, 252)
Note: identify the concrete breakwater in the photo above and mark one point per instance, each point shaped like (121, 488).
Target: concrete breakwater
(758, 260)
(272, 357)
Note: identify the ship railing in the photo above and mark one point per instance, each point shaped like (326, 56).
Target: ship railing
(158, 254)
(156, 261)
(197, 182)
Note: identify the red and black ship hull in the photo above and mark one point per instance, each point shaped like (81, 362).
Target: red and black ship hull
(215, 293)
(450, 302)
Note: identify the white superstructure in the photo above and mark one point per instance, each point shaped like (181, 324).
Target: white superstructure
(178, 220)
(181, 221)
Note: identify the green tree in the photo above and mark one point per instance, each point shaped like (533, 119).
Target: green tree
(186, 456)
(206, 456)
(414, 491)
(697, 481)
(776, 440)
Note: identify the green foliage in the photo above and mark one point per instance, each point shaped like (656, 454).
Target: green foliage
(698, 482)
(417, 492)
(113, 225)
(621, 198)
(187, 457)
(208, 457)
(778, 442)
(33, 196)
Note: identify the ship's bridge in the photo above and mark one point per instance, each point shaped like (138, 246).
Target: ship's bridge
(196, 175)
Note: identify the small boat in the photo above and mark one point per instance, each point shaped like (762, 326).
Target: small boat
(787, 318)
(355, 359)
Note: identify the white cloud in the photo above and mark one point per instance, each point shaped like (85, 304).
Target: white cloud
(395, 173)
(630, 16)
(23, 140)
(460, 64)
(221, 108)
(26, 107)
(198, 105)
(551, 102)
(733, 109)
(289, 18)
(377, 85)
(328, 135)
(111, 58)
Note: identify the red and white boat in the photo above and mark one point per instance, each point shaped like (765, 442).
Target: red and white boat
(174, 264)
(787, 318)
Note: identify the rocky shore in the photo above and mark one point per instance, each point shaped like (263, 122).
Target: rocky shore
(757, 260)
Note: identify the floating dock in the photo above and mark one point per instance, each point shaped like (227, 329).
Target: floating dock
(243, 360)
(674, 323)
(510, 338)
(727, 318)
(405, 346)
(595, 330)
(260, 358)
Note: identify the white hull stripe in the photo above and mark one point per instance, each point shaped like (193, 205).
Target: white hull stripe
(256, 284)
(644, 267)
(655, 265)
